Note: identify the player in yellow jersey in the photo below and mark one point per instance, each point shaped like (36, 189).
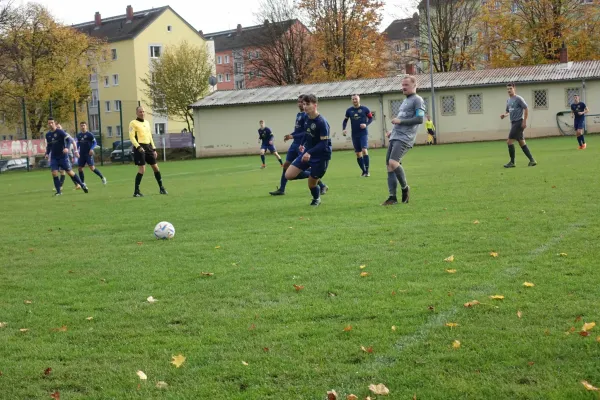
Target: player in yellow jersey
(430, 130)
(144, 150)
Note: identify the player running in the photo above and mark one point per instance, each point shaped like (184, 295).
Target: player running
(86, 142)
(360, 117)
(265, 138)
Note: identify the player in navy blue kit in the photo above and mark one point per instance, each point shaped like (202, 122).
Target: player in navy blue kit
(317, 149)
(265, 138)
(360, 117)
(85, 145)
(578, 111)
(296, 148)
(57, 143)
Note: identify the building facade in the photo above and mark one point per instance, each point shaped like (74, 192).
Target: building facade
(134, 40)
(468, 105)
(403, 45)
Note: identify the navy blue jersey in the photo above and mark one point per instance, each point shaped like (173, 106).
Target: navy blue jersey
(579, 107)
(57, 141)
(265, 135)
(317, 139)
(85, 142)
(299, 128)
(358, 116)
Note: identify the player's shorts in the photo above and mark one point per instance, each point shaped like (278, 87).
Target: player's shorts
(86, 159)
(60, 163)
(579, 124)
(396, 151)
(292, 153)
(317, 167)
(360, 142)
(431, 132)
(269, 147)
(147, 157)
(516, 130)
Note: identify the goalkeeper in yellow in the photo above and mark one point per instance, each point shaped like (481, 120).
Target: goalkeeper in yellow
(430, 130)
(144, 151)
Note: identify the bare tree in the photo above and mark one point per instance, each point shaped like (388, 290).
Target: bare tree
(282, 53)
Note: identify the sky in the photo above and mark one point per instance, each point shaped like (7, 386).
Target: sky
(205, 15)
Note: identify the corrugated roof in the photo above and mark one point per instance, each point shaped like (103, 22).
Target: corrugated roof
(444, 80)
(251, 36)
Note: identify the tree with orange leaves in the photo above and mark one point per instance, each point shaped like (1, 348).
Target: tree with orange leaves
(346, 39)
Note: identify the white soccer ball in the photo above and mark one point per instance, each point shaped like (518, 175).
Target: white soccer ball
(164, 230)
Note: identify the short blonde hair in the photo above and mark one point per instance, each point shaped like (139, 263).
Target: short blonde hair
(411, 78)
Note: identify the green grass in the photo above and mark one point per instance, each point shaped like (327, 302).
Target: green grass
(78, 256)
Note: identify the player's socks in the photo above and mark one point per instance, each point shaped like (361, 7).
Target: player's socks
(138, 180)
(392, 183)
(321, 184)
(57, 184)
(579, 140)
(283, 181)
(361, 164)
(316, 192)
(582, 140)
(511, 152)
(262, 158)
(303, 175)
(82, 176)
(158, 178)
(62, 179)
(97, 172)
(280, 161)
(77, 180)
(527, 152)
(401, 176)
(367, 162)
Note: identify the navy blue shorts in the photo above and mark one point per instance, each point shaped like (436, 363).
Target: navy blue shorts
(360, 142)
(292, 153)
(269, 147)
(579, 124)
(86, 159)
(60, 163)
(317, 167)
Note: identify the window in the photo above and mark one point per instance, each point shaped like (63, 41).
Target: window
(115, 79)
(219, 60)
(159, 104)
(94, 122)
(406, 46)
(220, 78)
(227, 78)
(107, 106)
(475, 103)
(155, 51)
(113, 53)
(398, 48)
(117, 105)
(257, 54)
(540, 99)
(226, 59)
(169, 28)
(94, 98)
(426, 102)
(106, 81)
(251, 75)
(514, 8)
(468, 40)
(93, 78)
(109, 131)
(239, 68)
(570, 93)
(250, 55)
(399, 66)
(395, 107)
(118, 130)
(159, 129)
(259, 74)
(448, 105)
(239, 84)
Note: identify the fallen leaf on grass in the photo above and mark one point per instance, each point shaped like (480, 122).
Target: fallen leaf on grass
(217, 247)
(578, 318)
(298, 287)
(519, 314)
(140, 243)
(588, 326)
(244, 363)
(61, 329)
(24, 330)
(3, 325)
(348, 328)
(493, 254)
(449, 259)
(379, 389)
(598, 339)
(142, 375)
(588, 386)
(528, 284)
(431, 308)
(562, 254)
(530, 363)
(584, 333)
(332, 395)
(178, 360)
(363, 274)
(351, 397)
(497, 297)
(471, 303)
(47, 371)
(456, 344)
(475, 222)
(451, 325)
(394, 328)
(161, 385)
(252, 327)
(207, 273)
(266, 349)
(55, 395)
(362, 267)
(27, 301)
(367, 349)
(90, 318)
(451, 271)
(151, 299)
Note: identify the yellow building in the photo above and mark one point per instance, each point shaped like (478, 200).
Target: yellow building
(134, 40)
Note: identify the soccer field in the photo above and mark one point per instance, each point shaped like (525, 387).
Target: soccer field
(77, 270)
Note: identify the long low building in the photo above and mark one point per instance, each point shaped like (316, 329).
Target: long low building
(468, 105)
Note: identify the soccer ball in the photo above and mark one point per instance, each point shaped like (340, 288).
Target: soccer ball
(164, 230)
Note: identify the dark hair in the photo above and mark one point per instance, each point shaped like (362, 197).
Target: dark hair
(82, 123)
(511, 84)
(310, 98)
(262, 120)
(301, 96)
(51, 119)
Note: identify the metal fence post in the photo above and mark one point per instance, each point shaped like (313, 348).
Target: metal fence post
(121, 122)
(25, 130)
(100, 132)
